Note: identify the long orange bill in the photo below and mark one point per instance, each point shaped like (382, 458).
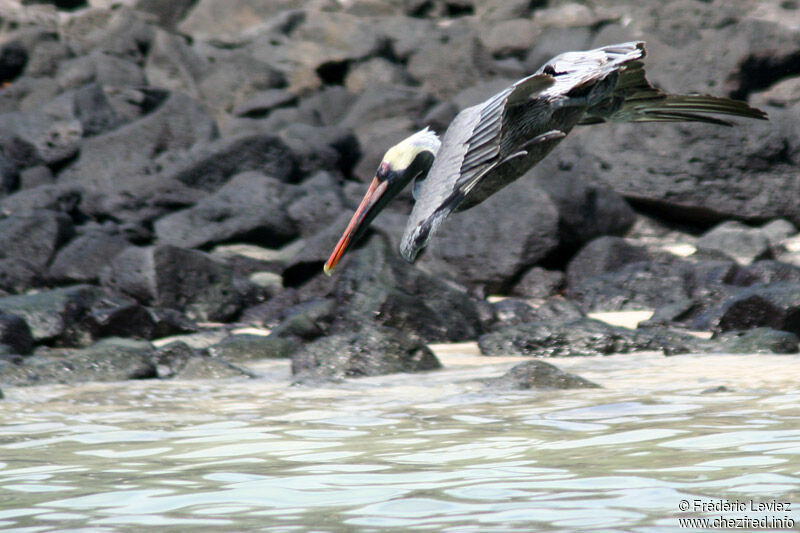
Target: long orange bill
(376, 189)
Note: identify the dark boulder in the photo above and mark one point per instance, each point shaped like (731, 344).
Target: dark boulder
(15, 334)
(635, 285)
(756, 340)
(202, 366)
(372, 351)
(538, 375)
(585, 211)
(209, 166)
(603, 255)
(82, 259)
(377, 287)
(54, 316)
(549, 339)
(17, 275)
(244, 348)
(318, 206)
(56, 197)
(13, 58)
(307, 320)
(766, 271)
(120, 157)
(111, 359)
(539, 282)
(114, 316)
(34, 236)
(775, 306)
(187, 280)
(743, 243)
(249, 208)
(492, 243)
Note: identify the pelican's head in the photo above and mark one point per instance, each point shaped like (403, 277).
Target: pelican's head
(409, 159)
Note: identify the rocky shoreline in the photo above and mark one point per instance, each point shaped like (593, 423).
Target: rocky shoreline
(173, 173)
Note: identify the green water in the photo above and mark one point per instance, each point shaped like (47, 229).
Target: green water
(433, 451)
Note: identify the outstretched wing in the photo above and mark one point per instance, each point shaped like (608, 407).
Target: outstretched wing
(483, 146)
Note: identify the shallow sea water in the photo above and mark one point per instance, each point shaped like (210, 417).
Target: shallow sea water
(434, 451)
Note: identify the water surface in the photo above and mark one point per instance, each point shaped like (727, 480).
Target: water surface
(434, 451)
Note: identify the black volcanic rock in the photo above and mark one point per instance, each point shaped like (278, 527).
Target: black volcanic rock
(378, 287)
(757, 340)
(111, 359)
(119, 156)
(485, 247)
(603, 255)
(249, 208)
(209, 166)
(775, 306)
(54, 316)
(736, 240)
(187, 280)
(82, 259)
(369, 352)
(582, 336)
(34, 236)
(15, 334)
(538, 375)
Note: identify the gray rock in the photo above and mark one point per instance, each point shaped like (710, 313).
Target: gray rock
(775, 306)
(585, 211)
(210, 166)
(370, 352)
(603, 255)
(17, 275)
(376, 287)
(538, 375)
(738, 241)
(54, 316)
(57, 197)
(243, 348)
(172, 64)
(539, 283)
(249, 208)
(204, 367)
(444, 67)
(237, 76)
(15, 334)
(550, 339)
(307, 320)
(123, 317)
(187, 280)
(108, 360)
(766, 272)
(757, 340)
(262, 103)
(34, 236)
(97, 67)
(178, 123)
(82, 259)
(33, 177)
(168, 13)
(492, 243)
(33, 138)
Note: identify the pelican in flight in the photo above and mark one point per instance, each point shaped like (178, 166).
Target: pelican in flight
(489, 145)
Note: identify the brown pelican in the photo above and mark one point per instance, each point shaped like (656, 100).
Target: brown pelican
(489, 145)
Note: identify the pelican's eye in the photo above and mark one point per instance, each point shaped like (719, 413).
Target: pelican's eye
(551, 70)
(383, 171)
